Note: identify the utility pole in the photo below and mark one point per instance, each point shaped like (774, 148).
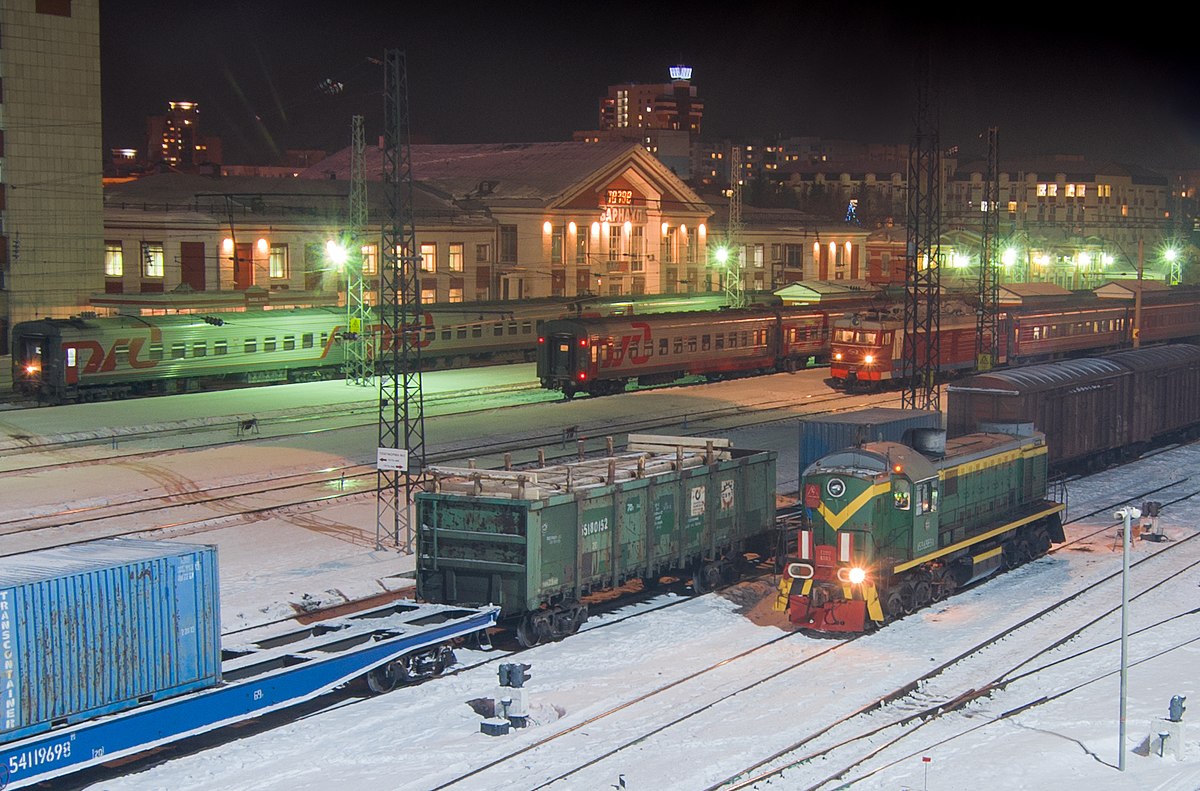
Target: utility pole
(356, 342)
(987, 336)
(401, 403)
(735, 290)
(922, 304)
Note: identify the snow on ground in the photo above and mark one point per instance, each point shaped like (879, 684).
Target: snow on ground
(416, 738)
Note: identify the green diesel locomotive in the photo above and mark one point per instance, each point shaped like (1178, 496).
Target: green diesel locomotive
(888, 529)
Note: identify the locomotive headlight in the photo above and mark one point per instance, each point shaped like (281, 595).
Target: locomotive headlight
(837, 355)
(30, 370)
(870, 358)
(852, 575)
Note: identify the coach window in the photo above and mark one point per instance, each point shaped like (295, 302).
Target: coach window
(745, 339)
(663, 345)
(719, 342)
(178, 351)
(691, 343)
(306, 340)
(199, 349)
(324, 339)
(268, 344)
(447, 334)
(476, 330)
(289, 342)
(678, 345)
(251, 346)
(526, 327)
(901, 494)
(155, 351)
(512, 328)
(497, 330)
(121, 354)
(461, 334)
(220, 347)
(705, 342)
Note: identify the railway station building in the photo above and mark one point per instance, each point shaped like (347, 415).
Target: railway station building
(492, 222)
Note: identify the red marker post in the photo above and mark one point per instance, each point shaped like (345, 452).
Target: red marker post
(925, 759)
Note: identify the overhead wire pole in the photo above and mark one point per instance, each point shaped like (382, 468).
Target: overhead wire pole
(735, 290)
(922, 304)
(401, 403)
(356, 362)
(987, 336)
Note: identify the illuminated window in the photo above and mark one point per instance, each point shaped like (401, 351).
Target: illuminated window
(428, 257)
(1070, 190)
(370, 259)
(1041, 190)
(1052, 189)
(428, 295)
(277, 262)
(556, 245)
(114, 260)
(455, 260)
(152, 259)
(1080, 190)
(1012, 207)
(456, 295)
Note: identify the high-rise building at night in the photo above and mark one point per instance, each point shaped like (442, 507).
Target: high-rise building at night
(51, 201)
(176, 140)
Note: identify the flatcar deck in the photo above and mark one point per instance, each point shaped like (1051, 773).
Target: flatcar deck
(272, 673)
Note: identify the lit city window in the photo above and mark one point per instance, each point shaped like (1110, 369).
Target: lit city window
(114, 260)
(1041, 190)
(456, 295)
(278, 261)
(152, 259)
(370, 259)
(428, 257)
(455, 260)
(428, 295)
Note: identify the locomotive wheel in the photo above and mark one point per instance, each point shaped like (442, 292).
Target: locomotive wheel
(944, 584)
(908, 596)
(1041, 542)
(387, 677)
(922, 594)
(706, 578)
(527, 635)
(893, 605)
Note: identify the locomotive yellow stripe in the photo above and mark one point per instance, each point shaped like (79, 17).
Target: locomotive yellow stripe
(981, 537)
(836, 520)
(874, 608)
(1026, 452)
(991, 553)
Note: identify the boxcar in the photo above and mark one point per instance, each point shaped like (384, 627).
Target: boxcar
(97, 628)
(538, 541)
(1094, 410)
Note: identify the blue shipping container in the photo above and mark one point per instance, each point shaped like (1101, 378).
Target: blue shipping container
(96, 628)
(825, 434)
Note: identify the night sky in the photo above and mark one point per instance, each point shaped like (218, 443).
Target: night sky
(1051, 82)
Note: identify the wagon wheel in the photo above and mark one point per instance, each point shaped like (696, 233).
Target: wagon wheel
(581, 616)
(527, 635)
(944, 584)
(789, 365)
(445, 659)
(387, 677)
(706, 578)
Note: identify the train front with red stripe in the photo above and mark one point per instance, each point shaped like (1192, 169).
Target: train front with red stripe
(887, 528)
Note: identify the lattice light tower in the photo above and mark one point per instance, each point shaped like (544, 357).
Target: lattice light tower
(357, 363)
(987, 337)
(922, 304)
(735, 290)
(401, 403)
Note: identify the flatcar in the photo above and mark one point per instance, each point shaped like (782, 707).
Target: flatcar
(1095, 411)
(601, 356)
(889, 528)
(868, 351)
(82, 359)
(538, 541)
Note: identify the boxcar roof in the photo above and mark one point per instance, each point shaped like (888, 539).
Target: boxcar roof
(1155, 357)
(1044, 376)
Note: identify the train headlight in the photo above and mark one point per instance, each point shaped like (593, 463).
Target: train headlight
(32, 370)
(870, 358)
(837, 355)
(852, 575)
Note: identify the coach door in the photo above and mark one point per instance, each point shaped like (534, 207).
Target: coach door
(561, 354)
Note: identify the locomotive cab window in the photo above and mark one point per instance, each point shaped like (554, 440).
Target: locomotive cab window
(901, 494)
(927, 496)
